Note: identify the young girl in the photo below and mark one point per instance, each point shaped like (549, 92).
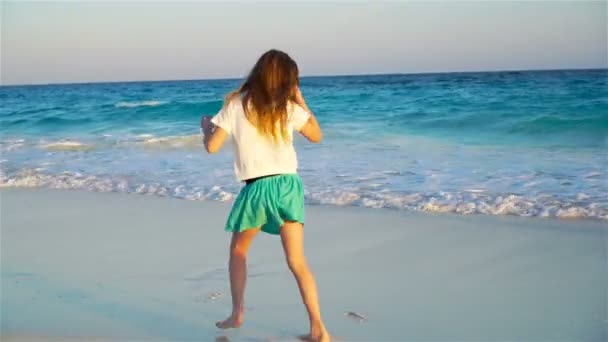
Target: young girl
(260, 117)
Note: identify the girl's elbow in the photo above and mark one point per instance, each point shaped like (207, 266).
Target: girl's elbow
(211, 149)
(317, 138)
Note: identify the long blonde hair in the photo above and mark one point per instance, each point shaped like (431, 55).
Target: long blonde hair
(266, 94)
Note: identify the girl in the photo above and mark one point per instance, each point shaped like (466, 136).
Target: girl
(260, 117)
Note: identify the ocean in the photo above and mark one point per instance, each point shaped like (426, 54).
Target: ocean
(529, 143)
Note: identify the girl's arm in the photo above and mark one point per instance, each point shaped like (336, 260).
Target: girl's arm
(311, 129)
(213, 136)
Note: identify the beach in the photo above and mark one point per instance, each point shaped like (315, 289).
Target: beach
(79, 265)
(451, 157)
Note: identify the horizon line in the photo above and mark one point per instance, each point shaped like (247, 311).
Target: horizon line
(302, 77)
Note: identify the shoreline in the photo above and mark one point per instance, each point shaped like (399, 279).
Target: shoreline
(327, 206)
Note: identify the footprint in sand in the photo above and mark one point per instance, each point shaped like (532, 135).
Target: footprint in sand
(214, 295)
(208, 298)
(355, 316)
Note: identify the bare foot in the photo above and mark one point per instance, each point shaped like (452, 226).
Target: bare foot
(230, 322)
(322, 336)
(305, 338)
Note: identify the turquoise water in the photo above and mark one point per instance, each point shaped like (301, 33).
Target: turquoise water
(517, 143)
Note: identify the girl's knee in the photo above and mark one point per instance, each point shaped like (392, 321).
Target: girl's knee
(297, 264)
(238, 252)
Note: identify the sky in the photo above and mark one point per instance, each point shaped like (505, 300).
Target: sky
(65, 42)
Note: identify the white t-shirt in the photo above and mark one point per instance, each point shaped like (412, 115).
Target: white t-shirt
(256, 155)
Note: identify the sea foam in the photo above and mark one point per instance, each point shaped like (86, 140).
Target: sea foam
(148, 103)
(68, 145)
(436, 202)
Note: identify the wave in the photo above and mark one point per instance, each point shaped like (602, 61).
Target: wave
(551, 124)
(466, 202)
(147, 103)
(69, 145)
(54, 121)
(11, 144)
(471, 202)
(171, 142)
(146, 141)
(34, 178)
(508, 124)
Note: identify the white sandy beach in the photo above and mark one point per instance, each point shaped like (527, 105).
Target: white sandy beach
(106, 266)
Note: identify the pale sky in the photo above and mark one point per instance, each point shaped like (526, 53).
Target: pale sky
(59, 42)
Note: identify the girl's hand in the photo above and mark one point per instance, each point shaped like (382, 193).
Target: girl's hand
(207, 125)
(298, 97)
(311, 129)
(213, 136)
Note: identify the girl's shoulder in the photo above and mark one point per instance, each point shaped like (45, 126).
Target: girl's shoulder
(233, 104)
(231, 99)
(293, 109)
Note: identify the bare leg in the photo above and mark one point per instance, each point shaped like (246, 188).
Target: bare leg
(292, 236)
(238, 276)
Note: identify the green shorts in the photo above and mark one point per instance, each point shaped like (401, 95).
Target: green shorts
(268, 202)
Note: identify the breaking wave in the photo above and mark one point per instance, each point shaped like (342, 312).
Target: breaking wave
(467, 202)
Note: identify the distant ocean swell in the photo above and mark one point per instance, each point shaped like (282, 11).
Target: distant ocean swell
(569, 126)
(100, 115)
